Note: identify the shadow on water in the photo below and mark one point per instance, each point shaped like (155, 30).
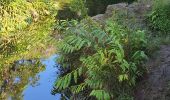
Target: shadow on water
(29, 80)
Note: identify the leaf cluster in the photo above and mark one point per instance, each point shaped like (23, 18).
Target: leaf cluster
(159, 18)
(104, 61)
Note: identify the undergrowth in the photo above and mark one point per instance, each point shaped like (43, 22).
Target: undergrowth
(159, 23)
(106, 62)
(159, 17)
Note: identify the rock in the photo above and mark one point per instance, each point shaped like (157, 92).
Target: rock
(109, 12)
(99, 18)
(115, 7)
(135, 13)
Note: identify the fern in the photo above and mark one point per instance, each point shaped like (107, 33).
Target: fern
(100, 94)
(78, 88)
(107, 60)
(64, 82)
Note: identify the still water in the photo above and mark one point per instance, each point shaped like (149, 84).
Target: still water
(45, 84)
(34, 79)
(30, 80)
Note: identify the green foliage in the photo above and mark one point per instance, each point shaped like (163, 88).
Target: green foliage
(159, 18)
(24, 25)
(73, 9)
(79, 7)
(100, 94)
(106, 61)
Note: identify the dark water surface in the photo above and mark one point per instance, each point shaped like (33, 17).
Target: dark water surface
(45, 84)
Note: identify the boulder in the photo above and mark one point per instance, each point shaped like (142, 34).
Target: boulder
(133, 12)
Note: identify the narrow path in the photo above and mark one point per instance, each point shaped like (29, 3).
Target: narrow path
(156, 86)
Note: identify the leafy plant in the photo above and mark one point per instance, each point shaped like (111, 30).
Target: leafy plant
(159, 18)
(104, 61)
(73, 9)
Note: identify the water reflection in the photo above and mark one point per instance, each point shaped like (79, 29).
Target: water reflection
(14, 80)
(29, 80)
(46, 82)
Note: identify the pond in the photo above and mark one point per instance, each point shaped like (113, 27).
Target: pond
(33, 82)
(34, 79)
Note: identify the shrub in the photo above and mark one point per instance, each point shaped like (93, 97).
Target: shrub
(159, 18)
(106, 62)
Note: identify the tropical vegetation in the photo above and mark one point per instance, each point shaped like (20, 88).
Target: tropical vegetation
(97, 58)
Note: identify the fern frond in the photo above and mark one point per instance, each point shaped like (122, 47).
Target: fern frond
(95, 84)
(78, 88)
(63, 82)
(100, 94)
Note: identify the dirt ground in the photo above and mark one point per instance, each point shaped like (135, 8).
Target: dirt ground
(156, 84)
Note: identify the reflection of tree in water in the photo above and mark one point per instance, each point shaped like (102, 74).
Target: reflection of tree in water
(14, 80)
